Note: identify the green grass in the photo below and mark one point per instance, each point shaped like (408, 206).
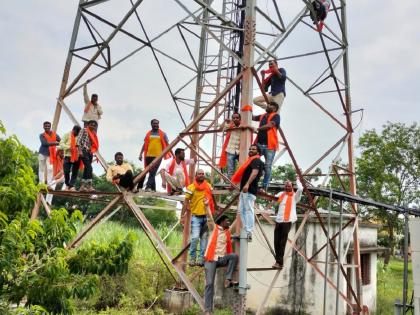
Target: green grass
(390, 285)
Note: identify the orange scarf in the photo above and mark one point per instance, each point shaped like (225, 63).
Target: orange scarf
(223, 157)
(207, 190)
(288, 206)
(162, 141)
(211, 248)
(272, 140)
(184, 168)
(94, 140)
(51, 148)
(58, 165)
(236, 178)
(74, 154)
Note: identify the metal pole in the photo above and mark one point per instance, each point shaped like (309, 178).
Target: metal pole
(405, 283)
(339, 257)
(352, 178)
(67, 66)
(246, 99)
(327, 253)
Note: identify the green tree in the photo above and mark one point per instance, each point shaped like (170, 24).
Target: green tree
(17, 180)
(388, 170)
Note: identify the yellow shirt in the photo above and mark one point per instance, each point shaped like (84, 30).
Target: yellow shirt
(155, 146)
(196, 198)
(117, 169)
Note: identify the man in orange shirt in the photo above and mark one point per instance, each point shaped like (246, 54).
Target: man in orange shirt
(155, 141)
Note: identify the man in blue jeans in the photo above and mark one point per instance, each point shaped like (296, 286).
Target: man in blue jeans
(196, 194)
(267, 139)
(248, 174)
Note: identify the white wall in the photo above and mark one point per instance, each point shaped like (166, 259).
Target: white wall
(299, 286)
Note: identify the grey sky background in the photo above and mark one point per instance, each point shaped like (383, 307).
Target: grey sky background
(384, 42)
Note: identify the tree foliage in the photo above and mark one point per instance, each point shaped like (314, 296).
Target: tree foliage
(388, 170)
(17, 180)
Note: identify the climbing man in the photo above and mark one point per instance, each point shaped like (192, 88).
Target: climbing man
(321, 8)
(196, 194)
(248, 175)
(267, 139)
(92, 111)
(121, 173)
(277, 80)
(219, 253)
(47, 153)
(88, 144)
(154, 142)
(230, 148)
(286, 215)
(72, 161)
(176, 174)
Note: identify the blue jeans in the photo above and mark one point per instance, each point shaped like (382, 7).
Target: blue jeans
(197, 224)
(268, 164)
(246, 208)
(231, 163)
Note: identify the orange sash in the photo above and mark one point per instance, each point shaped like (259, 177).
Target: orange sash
(272, 140)
(51, 148)
(207, 189)
(94, 139)
(223, 157)
(288, 205)
(74, 154)
(162, 141)
(211, 248)
(236, 178)
(58, 165)
(184, 168)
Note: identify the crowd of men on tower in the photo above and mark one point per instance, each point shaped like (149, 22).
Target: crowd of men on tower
(60, 160)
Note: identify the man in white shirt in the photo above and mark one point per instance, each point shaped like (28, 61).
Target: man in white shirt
(92, 111)
(176, 173)
(286, 216)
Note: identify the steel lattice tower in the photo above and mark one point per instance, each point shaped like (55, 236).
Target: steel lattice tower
(223, 44)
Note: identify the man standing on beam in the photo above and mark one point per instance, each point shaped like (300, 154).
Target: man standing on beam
(267, 139)
(196, 195)
(286, 216)
(154, 143)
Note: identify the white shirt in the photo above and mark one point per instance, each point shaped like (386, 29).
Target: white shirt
(296, 198)
(178, 170)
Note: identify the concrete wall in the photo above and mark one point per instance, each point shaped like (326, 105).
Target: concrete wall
(299, 287)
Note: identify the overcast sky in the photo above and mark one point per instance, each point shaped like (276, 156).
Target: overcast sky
(384, 41)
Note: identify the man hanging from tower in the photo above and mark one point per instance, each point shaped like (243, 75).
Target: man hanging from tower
(320, 8)
(154, 142)
(276, 78)
(248, 175)
(286, 216)
(92, 110)
(230, 148)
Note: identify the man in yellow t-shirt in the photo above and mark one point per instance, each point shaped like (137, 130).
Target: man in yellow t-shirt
(194, 199)
(154, 142)
(121, 173)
